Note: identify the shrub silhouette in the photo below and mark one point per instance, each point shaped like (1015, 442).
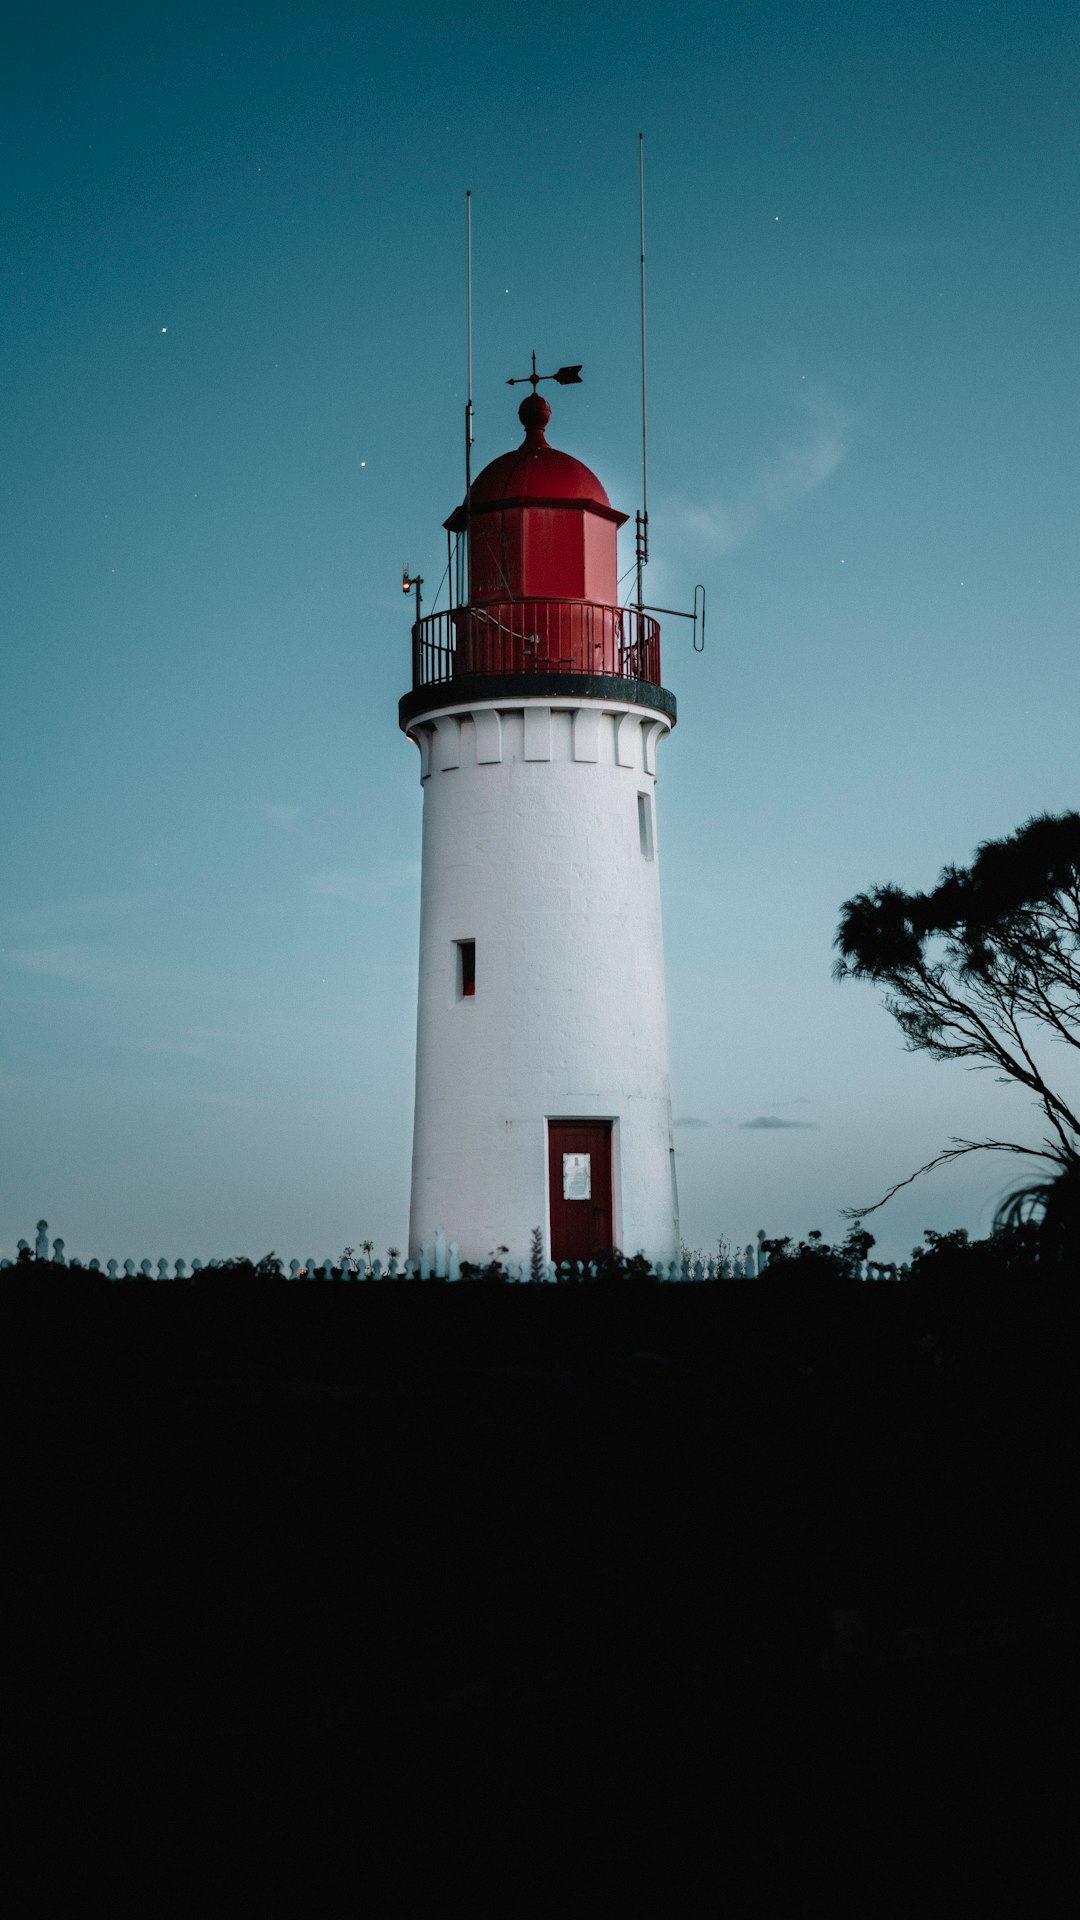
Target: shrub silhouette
(611, 1264)
(814, 1260)
(491, 1272)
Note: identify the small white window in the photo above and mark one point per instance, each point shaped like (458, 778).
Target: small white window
(644, 822)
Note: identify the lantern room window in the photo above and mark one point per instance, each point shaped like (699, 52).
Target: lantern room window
(466, 969)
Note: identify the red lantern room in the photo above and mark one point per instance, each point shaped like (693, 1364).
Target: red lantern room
(540, 525)
(541, 540)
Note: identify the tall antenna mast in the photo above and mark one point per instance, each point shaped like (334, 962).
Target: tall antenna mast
(643, 516)
(468, 332)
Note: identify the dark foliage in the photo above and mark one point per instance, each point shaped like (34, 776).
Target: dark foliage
(239, 1273)
(610, 1264)
(1042, 1221)
(814, 1260)
(951, 1257)
(537, 1263)
(984, 969)
(491, 1271)
(735, 1581)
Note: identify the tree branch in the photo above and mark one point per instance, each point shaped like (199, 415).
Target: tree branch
(955, 1152)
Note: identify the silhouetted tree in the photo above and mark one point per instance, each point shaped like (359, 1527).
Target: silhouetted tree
(986, 968)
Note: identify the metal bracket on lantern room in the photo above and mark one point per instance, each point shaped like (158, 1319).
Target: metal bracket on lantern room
(697, 614)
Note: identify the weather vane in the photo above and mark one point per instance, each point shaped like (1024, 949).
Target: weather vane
(566, 376)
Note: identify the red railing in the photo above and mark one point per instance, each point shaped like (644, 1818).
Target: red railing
(536, 636)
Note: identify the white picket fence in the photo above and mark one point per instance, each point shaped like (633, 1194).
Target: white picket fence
(440, 1259)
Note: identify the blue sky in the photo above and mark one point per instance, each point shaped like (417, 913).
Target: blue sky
(233, 375)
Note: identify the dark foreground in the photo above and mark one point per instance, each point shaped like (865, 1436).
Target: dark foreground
(687, 1598)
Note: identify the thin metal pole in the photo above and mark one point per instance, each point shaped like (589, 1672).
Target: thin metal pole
(468, 402)
(643, 530)
(468, 334)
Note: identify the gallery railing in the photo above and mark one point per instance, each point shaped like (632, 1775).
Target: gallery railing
(536, 636)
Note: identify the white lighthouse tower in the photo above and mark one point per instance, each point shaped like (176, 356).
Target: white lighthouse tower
(542, 1079)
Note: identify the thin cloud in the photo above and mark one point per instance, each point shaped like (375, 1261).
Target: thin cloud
(796, 470)
(54, 914)
(184, 1049)
(86, 966)
(279, 813)
(771, 1123)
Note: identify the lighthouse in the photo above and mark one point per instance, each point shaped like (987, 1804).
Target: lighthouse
(537, 705)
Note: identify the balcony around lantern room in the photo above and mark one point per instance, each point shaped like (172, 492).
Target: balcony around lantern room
(536, 639)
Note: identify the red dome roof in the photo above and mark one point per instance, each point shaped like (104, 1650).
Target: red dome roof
(535, 471)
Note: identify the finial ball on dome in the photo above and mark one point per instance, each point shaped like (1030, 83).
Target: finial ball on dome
(534, 413)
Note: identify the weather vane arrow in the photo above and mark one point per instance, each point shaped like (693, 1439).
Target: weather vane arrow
(566, 376)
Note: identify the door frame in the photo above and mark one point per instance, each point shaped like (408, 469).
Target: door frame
(578, 1119)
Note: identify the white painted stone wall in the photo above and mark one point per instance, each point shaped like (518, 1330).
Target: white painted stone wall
(531, 848)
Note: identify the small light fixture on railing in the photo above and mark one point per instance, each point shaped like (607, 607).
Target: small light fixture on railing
(411, 583)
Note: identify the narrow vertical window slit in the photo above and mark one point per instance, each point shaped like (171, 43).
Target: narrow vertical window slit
(466, 969)
(645, 825)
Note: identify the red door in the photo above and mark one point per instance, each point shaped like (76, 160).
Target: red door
(579, 1177)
